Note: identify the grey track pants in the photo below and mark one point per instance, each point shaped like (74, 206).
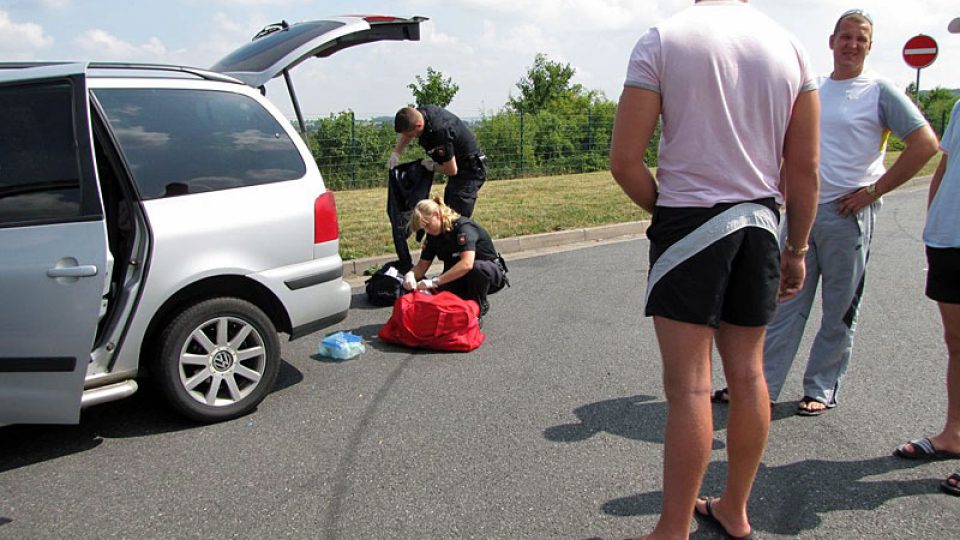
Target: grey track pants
(839, 249)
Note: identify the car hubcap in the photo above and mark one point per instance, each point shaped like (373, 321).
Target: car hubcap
(222, 361)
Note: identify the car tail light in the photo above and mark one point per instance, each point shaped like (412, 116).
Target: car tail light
(325, 226)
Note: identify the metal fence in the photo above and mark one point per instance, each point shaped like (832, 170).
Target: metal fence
(352, 153)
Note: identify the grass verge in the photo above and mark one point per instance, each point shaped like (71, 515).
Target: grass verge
(507, 208)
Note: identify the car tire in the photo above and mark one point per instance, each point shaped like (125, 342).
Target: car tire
(217, 359)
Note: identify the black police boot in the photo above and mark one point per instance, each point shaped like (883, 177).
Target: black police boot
(484, 305)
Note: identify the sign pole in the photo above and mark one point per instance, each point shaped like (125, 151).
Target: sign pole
(916, 90)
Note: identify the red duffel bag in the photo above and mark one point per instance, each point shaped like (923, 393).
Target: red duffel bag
(442, 322)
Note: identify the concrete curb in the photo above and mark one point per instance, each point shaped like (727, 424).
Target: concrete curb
(519, 244)
(355, 268)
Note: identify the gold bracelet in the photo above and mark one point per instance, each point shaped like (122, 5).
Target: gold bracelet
(802, 250)
(872, 191)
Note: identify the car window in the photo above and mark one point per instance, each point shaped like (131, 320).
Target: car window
(179, 141)
(260, 54)
(39, 167)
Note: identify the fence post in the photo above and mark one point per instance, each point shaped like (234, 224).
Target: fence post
(353, 149)
(521, 143)
(589, 151)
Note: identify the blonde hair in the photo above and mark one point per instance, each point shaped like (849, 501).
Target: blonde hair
(426, 208)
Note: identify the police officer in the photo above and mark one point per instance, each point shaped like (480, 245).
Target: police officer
(472, 268)
(452, 148)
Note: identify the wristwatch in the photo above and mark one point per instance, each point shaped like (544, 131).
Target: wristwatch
(802, 250)
(872, 191)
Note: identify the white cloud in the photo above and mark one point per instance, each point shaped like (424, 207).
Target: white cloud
(21, 41)
(574, 15)
(39, 5)
(101, 45)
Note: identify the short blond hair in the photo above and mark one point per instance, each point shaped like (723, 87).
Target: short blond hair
(857, 15)
(428, 207)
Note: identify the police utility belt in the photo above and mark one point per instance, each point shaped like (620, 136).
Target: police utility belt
(477, 160)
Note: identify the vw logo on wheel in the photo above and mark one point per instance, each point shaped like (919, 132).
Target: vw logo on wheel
(222, 361)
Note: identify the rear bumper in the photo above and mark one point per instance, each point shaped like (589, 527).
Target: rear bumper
(313, 293)
(309, 328)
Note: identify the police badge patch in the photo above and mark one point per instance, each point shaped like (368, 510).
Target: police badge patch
(462, 239)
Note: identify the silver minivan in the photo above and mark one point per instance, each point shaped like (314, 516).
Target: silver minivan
(163, 220)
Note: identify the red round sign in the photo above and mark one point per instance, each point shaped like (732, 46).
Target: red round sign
(920, 51)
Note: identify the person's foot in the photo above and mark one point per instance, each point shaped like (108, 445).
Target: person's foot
(811, 407)
(707, 508)
(951, 484)
(927, 448)
(721, 396)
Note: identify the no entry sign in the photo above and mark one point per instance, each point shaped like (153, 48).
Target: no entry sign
(920, 51)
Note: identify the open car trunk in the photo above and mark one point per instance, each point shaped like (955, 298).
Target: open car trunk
(281, 46)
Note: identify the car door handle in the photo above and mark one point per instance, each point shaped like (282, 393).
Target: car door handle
(85, 270)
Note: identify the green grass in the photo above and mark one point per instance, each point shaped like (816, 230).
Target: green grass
(506, 208)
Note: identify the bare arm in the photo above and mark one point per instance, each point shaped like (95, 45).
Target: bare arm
(402, 142)
(918, 148)
(448, 168)
(937, 178)
(801, 159)
(421, 268)
(633, 127)
(457, 271)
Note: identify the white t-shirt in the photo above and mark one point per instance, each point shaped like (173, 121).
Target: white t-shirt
(943, 218)
(728, 77)
(856, 116)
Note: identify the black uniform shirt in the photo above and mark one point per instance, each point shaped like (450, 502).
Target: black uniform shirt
(444, 136)
(465, 236)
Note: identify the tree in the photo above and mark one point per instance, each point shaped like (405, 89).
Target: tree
(435, 90)
(935, 104)
(546, 81)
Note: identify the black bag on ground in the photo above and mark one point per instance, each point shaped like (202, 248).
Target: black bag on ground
(386, 284)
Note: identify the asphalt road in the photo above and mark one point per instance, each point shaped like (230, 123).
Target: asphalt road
(552, 429)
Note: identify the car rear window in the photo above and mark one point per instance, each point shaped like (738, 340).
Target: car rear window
(180, 141)
(265, 51)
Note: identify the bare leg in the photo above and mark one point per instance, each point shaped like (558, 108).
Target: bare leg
(685, 350)
(949, 438)
(741, 349)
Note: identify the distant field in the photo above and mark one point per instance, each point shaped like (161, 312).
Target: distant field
(507, 208)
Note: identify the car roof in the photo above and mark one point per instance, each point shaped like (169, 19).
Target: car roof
(281, 46)
(112, 69)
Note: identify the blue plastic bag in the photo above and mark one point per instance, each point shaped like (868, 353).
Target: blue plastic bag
(341, 345)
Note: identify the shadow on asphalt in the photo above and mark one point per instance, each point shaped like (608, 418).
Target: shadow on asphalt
(786, 500)
(640, 418)
(790, 499)
(142, 414)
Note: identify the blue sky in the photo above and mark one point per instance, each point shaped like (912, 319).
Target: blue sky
(484, 45)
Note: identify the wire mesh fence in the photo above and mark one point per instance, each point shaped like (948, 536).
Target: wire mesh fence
(352, 153)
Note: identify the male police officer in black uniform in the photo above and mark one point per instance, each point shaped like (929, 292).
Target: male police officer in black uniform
(452, 148)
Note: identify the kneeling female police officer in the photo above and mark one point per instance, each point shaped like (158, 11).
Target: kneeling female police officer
(472, 268)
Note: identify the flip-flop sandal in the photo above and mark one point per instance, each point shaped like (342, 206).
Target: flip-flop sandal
(709, 516)
(803, 409)
(721, 396)
(923, 449)
(952, 489)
